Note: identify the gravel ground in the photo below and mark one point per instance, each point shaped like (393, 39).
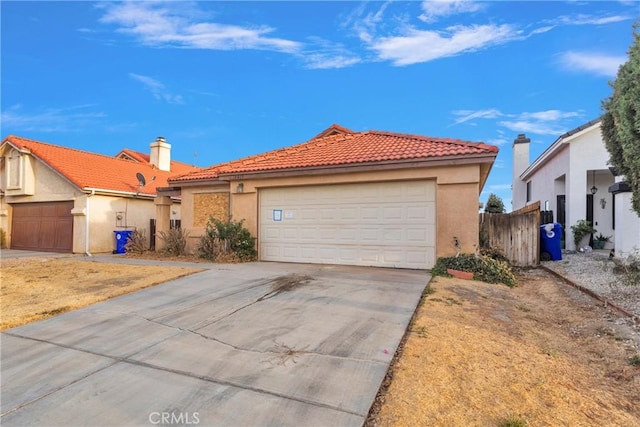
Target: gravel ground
(595, 271)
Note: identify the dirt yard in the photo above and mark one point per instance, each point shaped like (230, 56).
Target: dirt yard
(487, 355)
(36, 288)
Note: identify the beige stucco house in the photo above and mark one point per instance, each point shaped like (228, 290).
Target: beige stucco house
(358, 198)
(54, 198)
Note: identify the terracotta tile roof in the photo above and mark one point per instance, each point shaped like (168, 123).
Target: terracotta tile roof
(134, 155)
(176, 167)
(338, 146)
(91, 170)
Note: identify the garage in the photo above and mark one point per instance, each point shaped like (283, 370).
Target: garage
(42, 227)
(383, 224)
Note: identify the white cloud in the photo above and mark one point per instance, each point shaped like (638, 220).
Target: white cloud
(497, 141)
(417, 46)
(533, 126)
(601, 64)
(549, 115)
(180, 24)
(326, 55)
(435, 9)
(498, 187)
(157, 89)
(325, 61)
(547, 122)
(466, 115)
(582, 19)
(50, 120)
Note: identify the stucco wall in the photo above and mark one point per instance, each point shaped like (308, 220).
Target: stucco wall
(565, 173)
(48, 186)
(588, 152)
(103, 211)
(456, 200)
(627, 232)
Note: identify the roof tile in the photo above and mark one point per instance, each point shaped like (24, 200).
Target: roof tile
(340, 146)
(91, 170)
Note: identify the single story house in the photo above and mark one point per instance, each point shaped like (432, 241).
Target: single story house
(573, 179)
(59, 199)
(358, 198)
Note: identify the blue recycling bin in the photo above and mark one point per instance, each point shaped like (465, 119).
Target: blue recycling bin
(551, 242)
(122, 237)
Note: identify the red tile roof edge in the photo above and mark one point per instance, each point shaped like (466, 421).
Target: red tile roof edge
(216, 171)
(22, 144)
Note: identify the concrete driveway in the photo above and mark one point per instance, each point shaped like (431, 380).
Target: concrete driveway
(237, 345)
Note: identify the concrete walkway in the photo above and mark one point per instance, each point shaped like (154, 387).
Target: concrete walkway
(222, 347)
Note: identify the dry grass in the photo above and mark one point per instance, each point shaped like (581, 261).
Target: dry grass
(37, 288)
(487, 355)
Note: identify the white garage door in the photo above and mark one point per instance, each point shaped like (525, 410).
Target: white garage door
(388, 224)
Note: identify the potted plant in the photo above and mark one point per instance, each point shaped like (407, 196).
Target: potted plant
(581, 231)
(600, 240)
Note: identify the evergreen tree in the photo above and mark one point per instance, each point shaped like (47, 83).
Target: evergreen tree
(621, 120)
(494, 204)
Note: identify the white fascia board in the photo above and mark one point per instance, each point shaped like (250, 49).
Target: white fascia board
(555, 148)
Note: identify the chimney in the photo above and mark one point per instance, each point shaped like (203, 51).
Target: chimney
(520, 154)
(160, 154)
(520, 163)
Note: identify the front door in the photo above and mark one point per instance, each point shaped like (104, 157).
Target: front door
(590, 215)
(561, 203)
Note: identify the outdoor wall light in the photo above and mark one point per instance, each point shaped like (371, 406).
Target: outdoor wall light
(603, 203)
(240, 188)
(594, 189)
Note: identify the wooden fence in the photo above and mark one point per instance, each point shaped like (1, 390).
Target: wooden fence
(517, 234)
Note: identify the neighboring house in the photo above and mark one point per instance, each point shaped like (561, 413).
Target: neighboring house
(572, 178)
(357, 198)
(61, 199)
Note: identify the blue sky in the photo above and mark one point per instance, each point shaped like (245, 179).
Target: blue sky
(223, 80)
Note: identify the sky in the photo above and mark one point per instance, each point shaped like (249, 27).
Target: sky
(225, 80)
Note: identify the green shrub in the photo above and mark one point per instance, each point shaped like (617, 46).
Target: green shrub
(580, 229)
(175, 241)
(3, 239)
(227, 240)
(513, 420)
(137, 242)
(483, 267)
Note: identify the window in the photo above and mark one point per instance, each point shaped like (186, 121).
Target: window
(528, 191)
(14, 172)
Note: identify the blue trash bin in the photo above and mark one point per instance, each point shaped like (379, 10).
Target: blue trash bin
(551, 242)
(122, 237)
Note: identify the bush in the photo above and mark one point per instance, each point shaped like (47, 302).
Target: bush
(175, 241)
(3, 239)
(483, 267)
(581, 228)
(226, 241)
(137, 242)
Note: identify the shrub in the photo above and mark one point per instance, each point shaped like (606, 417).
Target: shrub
(581, 228)
(137, 242)
(484, 268)
(3, 239)
(628, 270)
(175, 241)
(221, 239)
(495, 253)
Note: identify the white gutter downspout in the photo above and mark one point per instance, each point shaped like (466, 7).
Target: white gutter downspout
(86, 252)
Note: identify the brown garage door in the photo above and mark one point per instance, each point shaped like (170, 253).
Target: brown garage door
(42, 227)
